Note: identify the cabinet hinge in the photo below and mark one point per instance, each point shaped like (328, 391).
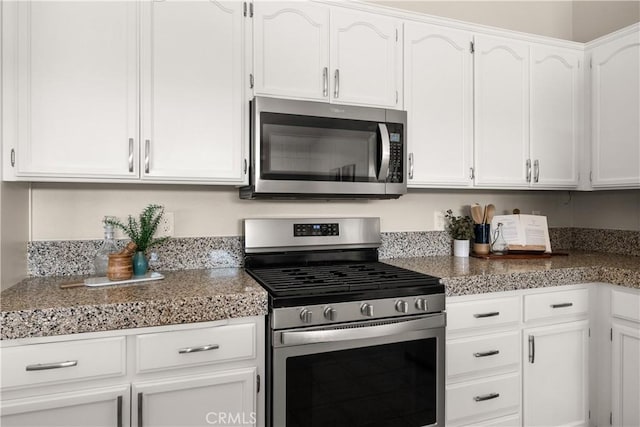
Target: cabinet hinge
(396, 97)
(396, 34)
(250, 10)
(610, 418)
(611, 334)
(251, 81)
(472, 47)
(590, 62)
(244, 8)
(589, 333)
(13, 157)
(258, 384)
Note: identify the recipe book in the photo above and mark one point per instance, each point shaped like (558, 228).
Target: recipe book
(523, 232)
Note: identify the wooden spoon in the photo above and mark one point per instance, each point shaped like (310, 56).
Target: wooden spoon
(476, 213)
(489, 213)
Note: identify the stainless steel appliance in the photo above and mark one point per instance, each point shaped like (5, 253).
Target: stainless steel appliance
(351, 341)
(321, 150)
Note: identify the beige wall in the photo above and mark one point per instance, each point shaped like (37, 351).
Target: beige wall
(619, 210)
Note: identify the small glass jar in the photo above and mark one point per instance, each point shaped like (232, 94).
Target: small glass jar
(499, 246)
(101, 259)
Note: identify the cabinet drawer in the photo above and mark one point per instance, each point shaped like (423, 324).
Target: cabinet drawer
(195, 347)
(477, 355)
(474, 399)
(62, 361)
(483, 313)
(625, 305)
(551, 305)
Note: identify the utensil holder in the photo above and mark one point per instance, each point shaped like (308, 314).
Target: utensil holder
(120, 267)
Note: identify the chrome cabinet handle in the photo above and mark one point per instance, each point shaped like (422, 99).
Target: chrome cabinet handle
(13, 157)
(119, 411)
(130, 154)
(325, 81)
(532, 349)
(483, 315)
(139, 409)
(54, 365)
(564, 304)
(486, 397)
(147, 150)
(536, 170)
(471, 174)
(410, 165)
(386, 152)
(528, 166)
(486, 353)
(245, 166)
(197, 349)
(336, 84)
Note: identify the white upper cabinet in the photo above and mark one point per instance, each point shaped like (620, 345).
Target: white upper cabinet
(291, 50)
(501, 113)
(315, 52)
(555, 116)
(438, 83)
(366, 58)
(615, 112)
(71, 106)
(192, 91)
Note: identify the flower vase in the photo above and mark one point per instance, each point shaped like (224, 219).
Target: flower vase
(460, 248)
(140, 264)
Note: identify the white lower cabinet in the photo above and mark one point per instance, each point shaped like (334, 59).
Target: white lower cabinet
(201, 375)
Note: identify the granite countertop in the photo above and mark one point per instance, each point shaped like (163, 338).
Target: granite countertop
(37, 306)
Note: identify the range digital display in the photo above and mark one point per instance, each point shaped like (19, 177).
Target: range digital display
(325, 229)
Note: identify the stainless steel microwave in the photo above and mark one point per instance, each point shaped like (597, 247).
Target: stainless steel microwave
(303, 149)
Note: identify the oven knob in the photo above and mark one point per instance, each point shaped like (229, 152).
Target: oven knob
(366, 310)
(421, 304)
(402, 306)
(306, 315)
(330, 314)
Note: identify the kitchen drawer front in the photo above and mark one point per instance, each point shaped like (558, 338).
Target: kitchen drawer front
(195, 347)
(508, 421)
(63, 361)
(483, 313)
(478, 355)
(625, 305)
(483, 398)
(551, 305)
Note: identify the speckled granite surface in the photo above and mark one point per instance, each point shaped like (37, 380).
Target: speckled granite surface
(466, 276)
(38, 307)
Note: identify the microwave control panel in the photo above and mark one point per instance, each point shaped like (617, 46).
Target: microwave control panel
(396, 158)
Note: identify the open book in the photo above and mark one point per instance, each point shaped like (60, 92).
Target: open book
(523, 232)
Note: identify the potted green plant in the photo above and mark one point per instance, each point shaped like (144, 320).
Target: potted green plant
(141, 231)
(460, 228)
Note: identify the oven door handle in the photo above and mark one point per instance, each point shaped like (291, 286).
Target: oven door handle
(385, 146)
(359, 333)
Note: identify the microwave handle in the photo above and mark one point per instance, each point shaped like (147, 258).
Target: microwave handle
(386, 152)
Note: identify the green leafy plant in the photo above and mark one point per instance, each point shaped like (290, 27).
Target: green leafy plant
(459, 227)
(141, 230)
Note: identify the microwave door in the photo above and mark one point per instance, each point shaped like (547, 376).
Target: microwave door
(384, 152)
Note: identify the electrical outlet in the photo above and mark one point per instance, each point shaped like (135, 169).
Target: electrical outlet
(438, 221)
(165, 228)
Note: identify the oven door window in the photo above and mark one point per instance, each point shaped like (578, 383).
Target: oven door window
(385, 385)
(302, 148)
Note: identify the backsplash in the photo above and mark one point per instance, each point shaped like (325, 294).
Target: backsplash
(70, 257)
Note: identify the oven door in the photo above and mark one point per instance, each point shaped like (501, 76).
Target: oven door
(379, 373)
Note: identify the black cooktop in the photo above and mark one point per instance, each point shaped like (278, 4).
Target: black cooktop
(290, 285)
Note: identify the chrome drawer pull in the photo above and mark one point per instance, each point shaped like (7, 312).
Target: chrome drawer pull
(564, 304)
(483, 315)
(196, 349)
(55, 365)
(486, 353)
(486, 397)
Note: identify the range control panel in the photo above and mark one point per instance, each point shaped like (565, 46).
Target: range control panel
(326, 229)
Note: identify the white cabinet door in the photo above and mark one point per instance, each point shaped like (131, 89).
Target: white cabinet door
(626, 375)
(501, 112)
(555, 117)
(555, 375)
(106, 407)
(75, 88)
(291, 50)
(438, 98)
(615, 91)
(366, 59)
(192, 91)
(225, 398)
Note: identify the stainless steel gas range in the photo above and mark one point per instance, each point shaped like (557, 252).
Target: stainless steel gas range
(351, 341)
